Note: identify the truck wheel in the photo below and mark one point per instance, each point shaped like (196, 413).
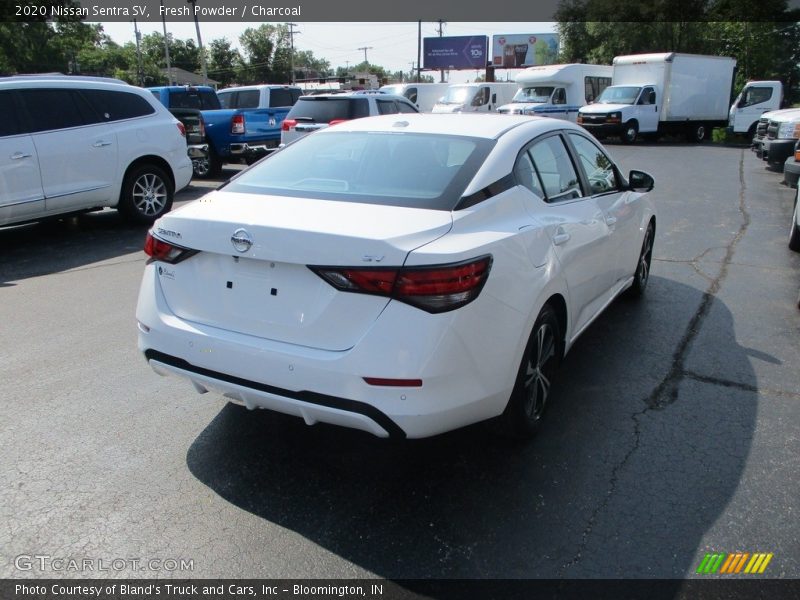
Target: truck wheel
(697, 133)
(751, 133)
(147, 194)
(207, 168)
(631, 132)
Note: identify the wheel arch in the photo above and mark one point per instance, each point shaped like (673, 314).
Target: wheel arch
(559, 306)
(148, 159)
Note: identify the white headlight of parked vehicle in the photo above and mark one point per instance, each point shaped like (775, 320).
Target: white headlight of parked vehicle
(404, 275)
(789, 131)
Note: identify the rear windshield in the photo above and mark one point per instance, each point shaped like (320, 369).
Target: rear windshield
(322, 109)
(398, 169)
(201, 100)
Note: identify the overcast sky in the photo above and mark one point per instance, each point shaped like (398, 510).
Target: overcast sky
(393, 45)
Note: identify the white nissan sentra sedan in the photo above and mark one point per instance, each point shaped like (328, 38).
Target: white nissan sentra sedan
(404, 274)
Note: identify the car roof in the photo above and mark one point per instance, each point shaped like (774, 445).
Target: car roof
(356, 94)
(31, 81)
(481, 125)
(259, 86)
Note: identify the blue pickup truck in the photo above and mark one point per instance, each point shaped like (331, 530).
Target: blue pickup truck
(231, 130)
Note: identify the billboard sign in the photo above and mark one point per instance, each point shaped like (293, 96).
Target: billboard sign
(459, 52)
(515, 51)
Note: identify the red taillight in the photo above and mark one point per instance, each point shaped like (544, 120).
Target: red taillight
(435, 289)
(181, 128)
(336, 122)
(201, 126)
(237, 124)
(288, 124)
(158, 249)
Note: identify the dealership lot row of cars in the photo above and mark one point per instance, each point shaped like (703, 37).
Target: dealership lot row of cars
(777, 142)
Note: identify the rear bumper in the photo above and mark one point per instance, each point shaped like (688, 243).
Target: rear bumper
(311, 407)
(464, 381)
(254, 149)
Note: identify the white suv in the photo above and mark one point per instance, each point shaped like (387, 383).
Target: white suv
(72, 144)
(312, 113)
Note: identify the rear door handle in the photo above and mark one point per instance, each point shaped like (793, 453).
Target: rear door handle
(560, 238)
(20, 155)
(101, 144)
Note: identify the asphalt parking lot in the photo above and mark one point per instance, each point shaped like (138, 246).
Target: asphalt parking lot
(673, 432)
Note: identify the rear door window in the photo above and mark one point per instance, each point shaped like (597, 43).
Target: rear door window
(248, 99)
(406, 108)
(9, 123)
(115, 106)
(387, 107)
(57, 108)
(555, 169)
(324, 109)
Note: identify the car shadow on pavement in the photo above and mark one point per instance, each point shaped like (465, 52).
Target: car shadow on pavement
(636, 460)
(61, 244)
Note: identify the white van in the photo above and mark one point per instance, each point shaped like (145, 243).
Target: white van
(475, 97)
(558, 90)
(423, 95)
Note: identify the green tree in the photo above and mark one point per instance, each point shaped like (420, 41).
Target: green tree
(224, 61)
(764, 37)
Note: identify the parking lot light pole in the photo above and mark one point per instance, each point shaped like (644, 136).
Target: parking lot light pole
(166, 43)
(199, 42)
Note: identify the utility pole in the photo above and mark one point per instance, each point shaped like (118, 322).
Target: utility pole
(441, 71)
(291, 50)
(365, 48)
(419, 49)
(411, 72)
(139, 77)
(199, 42)
(166, 44)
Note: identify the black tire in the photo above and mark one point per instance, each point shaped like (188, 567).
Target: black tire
(147, 193)
(631, 132)
(794, 234)
(698, 133)
(642, 274)
(207, 168)
(528, 401)
(751, 132)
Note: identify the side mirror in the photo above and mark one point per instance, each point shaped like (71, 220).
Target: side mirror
(639, 181)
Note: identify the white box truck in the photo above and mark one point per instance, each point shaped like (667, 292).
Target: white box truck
(686, 94)
(475, 97)
(557, 90)
(423, 95)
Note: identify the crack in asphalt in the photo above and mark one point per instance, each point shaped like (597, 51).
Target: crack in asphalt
(666, 392)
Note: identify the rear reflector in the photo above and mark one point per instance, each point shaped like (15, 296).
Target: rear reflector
(435, 289)
(158, 249)
(393, 382)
